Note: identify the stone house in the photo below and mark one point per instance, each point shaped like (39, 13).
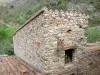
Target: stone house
(54, 42)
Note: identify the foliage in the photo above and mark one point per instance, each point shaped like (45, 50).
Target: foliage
(10, 52)
(94, 21)
(6, 32)
(3, 34)
(21, 16)
(97, 5)
(58, 4)
(6, 40)
(93, 34)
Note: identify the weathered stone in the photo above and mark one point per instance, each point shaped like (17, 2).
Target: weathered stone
(41, 43)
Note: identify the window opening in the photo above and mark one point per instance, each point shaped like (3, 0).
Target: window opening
(69, 55)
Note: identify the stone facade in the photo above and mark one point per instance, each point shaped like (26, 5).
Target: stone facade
(46, 38)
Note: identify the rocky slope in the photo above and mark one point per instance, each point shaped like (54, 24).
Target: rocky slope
(10, 8)
(10, 2)
(5, 2)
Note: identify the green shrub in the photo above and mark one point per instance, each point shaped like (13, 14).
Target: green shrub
(57, 4)
(93, 34)
(97, 5)
(10, 52)
(94, 21)
(6, 40)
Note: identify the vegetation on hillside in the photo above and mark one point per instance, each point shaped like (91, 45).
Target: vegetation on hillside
(23, 12)
(93, 34)
(94, 21)
(6, 43)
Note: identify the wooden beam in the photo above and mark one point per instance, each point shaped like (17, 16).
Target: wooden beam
(68, 47)
(94, 48)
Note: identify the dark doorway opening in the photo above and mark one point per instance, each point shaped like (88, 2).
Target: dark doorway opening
(69, 55)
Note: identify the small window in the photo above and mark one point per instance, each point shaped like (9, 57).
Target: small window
(80, 26)
(69, 55)
(68, 31)
(73, 74)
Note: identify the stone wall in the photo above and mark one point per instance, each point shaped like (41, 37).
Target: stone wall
(42, 43)
(63, 29)
(28, 43)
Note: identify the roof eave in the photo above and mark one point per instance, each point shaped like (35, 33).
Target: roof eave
(31, 19)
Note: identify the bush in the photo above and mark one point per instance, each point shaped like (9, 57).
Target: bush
(6, 40)
(94, 21)
(93, 34)
(10, 52)
(57, 4)
(97, 5)
(3, 34)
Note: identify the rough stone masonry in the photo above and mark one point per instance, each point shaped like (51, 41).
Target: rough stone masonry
(54, 42)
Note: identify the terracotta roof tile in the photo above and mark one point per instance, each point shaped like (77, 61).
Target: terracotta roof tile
(12, 65)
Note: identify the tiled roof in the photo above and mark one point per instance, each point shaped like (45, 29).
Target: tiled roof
(12, 65)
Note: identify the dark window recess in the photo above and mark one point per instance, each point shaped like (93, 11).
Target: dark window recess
(80, 26)
(81, 39)
(69, 55)
(73, 74)
(68, 31)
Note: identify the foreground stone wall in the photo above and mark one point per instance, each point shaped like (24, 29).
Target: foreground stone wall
(63, 29)
(28, 43)
(42, 43)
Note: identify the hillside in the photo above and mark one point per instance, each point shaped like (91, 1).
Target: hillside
(14, 13)
(18, 11)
